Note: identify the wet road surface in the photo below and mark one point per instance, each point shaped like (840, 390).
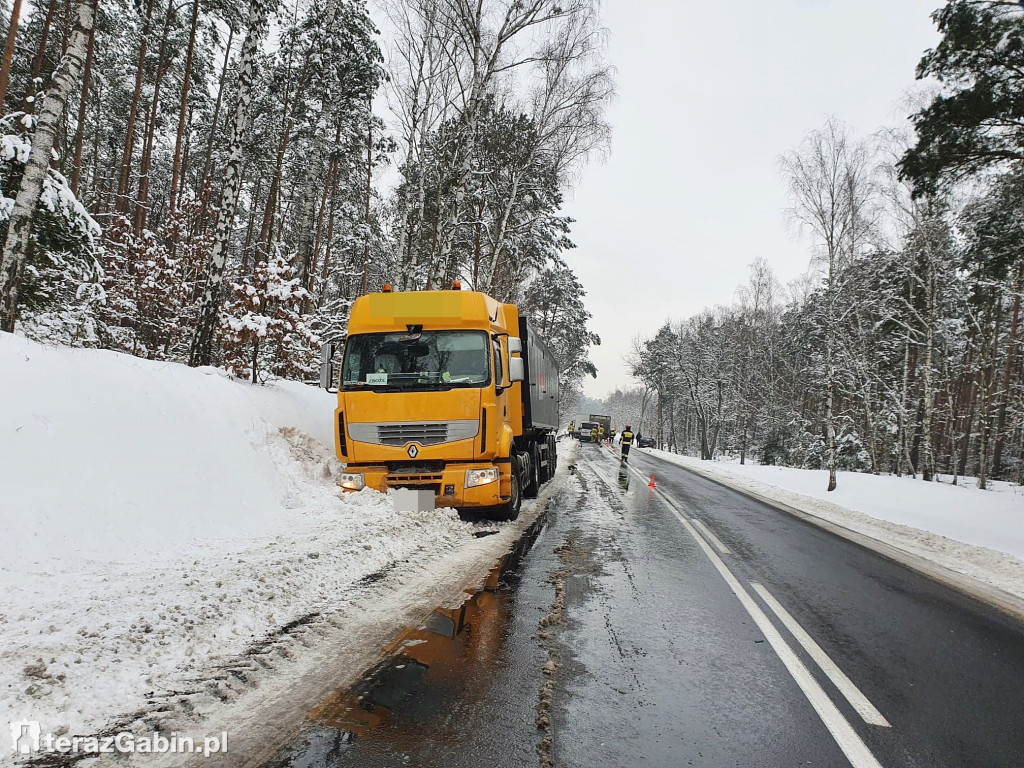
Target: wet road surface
(686, 626)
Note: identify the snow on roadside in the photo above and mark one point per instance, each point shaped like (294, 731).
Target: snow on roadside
(160, 518)
(979, 533)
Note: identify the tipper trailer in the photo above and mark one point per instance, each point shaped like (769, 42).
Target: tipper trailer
(450, 392)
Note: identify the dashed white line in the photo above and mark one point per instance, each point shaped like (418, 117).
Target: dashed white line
(849, 742)
(846, 737)
(858, 700)
(853, 695)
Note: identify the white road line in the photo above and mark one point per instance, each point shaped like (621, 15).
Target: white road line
(849, 742)
(714, 539)
(858, 700)
(853, 695)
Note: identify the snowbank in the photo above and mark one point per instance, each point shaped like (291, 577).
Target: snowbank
(158, 518)
(109, 457)
(963, 528)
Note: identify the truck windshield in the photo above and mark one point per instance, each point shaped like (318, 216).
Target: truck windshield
(425, 360)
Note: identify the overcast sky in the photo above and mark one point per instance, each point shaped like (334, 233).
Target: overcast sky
(710, 94)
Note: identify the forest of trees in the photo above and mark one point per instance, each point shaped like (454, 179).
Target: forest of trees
(900, 351)
(207, 181)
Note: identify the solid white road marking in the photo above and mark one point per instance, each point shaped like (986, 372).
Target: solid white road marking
(849, 742)
(714, 539)
(853, 695)
(846, 738)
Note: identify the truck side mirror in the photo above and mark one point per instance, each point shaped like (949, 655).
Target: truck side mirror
(516, 369)
(327, 366)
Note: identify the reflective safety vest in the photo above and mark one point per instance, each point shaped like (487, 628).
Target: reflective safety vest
(627, 438)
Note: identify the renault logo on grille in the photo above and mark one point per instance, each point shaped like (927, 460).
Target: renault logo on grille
(412, 450)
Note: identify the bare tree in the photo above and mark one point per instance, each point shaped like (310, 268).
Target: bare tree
(567, 109)
(457, 56)
(756, 369)
(829, 185)
(420, 91)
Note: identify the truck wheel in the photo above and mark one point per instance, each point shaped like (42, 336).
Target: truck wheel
(552, 456)
(533, 480)
(510, 510)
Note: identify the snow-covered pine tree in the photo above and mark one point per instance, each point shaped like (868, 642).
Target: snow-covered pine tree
(262, 328)
(59, 287)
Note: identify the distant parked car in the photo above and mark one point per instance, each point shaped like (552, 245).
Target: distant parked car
(645, 442)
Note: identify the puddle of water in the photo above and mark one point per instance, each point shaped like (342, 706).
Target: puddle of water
(449, 643)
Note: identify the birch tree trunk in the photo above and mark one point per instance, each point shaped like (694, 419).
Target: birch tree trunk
(202, 343)
(987, 375)
(830, 373)
(928, 400)
(1004, 391)
(204, 176)
(19, 228)
(83, 106)
(502, 233)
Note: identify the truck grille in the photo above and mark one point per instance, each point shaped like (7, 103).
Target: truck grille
(424, 434)
(397, 434)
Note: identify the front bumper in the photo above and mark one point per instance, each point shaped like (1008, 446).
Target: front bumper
(448, 485)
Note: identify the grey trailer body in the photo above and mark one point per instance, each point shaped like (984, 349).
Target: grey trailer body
(540, 389)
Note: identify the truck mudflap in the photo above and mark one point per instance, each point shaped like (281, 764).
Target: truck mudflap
(448, 485)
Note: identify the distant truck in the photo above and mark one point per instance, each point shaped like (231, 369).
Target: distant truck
(603, 421)
(450, 392)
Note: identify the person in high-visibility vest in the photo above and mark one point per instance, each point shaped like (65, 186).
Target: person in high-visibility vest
(627, 441)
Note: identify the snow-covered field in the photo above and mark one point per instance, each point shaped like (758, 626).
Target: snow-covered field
(975, 532)
(161, 523)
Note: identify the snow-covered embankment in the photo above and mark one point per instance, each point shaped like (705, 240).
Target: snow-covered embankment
(158, 520)
(960, 528)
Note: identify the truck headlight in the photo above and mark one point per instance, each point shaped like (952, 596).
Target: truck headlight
(352, 481)
(475, 477)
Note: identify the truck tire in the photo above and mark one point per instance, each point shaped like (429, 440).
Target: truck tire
(510, 509)
(533, 476)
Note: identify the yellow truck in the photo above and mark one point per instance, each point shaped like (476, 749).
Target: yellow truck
(449, 392)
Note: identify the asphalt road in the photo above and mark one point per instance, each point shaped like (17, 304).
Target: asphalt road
(689, 626)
